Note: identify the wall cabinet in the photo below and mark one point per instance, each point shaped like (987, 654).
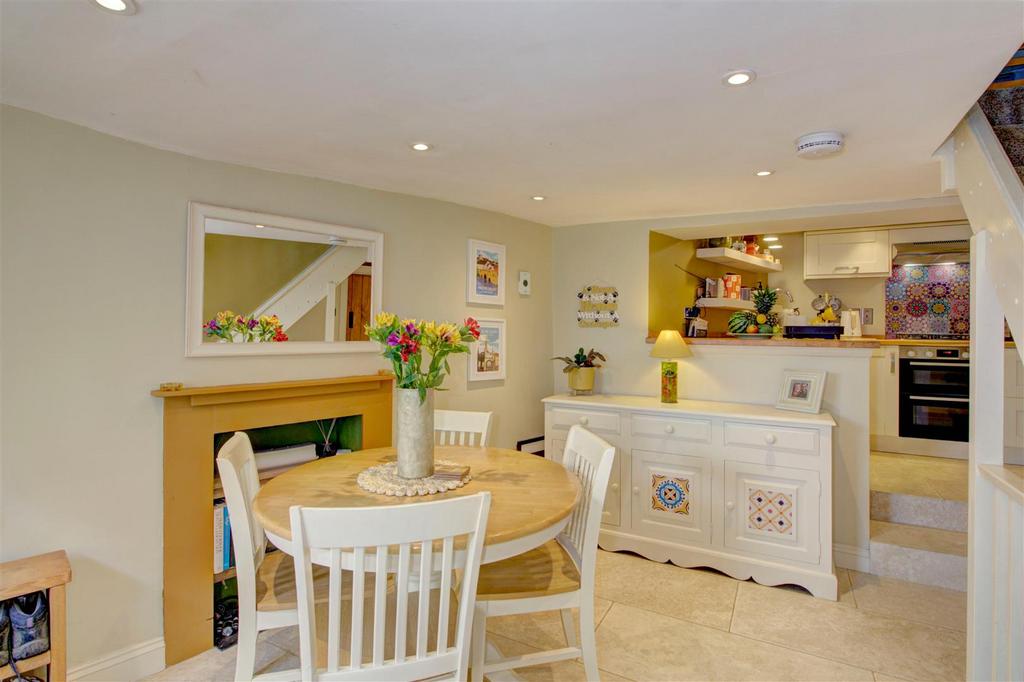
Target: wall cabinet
(833, 255)
(745, 489)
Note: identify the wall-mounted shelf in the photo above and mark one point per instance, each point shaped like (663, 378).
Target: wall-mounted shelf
(738, 260)
(725, 303)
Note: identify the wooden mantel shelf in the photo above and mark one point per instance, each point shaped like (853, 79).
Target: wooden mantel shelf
(233, 393)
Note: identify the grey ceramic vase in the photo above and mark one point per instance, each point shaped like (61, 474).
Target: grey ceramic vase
(415, 433)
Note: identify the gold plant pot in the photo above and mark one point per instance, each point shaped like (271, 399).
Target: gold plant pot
(581, 380)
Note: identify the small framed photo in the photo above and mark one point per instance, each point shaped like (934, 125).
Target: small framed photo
(801, 390)
(488, 357)
(485, 273)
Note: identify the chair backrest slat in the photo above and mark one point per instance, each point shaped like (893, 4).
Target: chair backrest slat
(236, 465)
(590, 458)
(400, 533)
(462, 428)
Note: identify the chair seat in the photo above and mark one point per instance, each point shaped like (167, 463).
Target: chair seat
(545, 570)
(275, 583)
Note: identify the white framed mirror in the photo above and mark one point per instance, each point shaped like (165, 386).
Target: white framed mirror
(261, 284)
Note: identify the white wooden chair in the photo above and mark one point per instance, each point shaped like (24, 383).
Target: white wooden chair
(266, 582)
(461, 428)
(557, 576)
(401, 539)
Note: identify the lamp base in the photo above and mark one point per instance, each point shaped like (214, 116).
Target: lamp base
(669, 379)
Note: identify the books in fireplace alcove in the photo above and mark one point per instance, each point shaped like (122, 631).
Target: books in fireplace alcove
(223, 549)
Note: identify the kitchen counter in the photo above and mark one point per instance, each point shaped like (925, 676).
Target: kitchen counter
(779, 342)
(933, 343)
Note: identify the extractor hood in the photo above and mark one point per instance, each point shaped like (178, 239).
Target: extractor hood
(933, 253)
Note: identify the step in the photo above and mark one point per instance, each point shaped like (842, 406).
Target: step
(918, 510)
(1003, 106)
(1012, 139)
(928, 556)
(1020, 172)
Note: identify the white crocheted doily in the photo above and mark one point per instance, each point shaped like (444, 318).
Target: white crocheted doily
(383, 479)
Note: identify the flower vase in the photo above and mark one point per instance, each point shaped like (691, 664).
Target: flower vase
(415, 433)
(581, 380)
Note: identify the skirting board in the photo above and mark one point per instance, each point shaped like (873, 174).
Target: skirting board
(919, 446)
(854, 558)
(131, 663)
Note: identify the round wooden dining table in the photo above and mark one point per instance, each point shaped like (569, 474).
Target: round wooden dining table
(531, 497)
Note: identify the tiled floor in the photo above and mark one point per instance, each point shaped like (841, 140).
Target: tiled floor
(661, 622)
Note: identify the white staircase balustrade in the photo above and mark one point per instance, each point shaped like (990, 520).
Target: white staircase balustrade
(318, 281)
(991, 192)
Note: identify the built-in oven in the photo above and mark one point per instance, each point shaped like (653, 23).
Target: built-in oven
(935, 393)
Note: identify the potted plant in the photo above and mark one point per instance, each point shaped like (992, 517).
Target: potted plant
(580, 369)
(418, 351)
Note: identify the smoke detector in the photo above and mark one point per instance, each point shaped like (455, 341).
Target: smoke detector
(815, 145)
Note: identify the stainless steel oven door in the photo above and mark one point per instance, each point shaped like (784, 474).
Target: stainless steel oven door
(935, 377)
(934, 417)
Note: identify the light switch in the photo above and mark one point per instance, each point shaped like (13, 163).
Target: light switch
(524, 282)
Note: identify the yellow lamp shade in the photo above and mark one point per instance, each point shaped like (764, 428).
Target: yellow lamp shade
(670, 344)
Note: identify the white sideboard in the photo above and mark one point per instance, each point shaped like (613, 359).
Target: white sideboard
(745, 489)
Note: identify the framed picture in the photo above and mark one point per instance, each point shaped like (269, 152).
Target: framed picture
(485, 273)
(801, 390)
(488, 357)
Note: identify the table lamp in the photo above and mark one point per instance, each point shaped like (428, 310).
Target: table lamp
(670, 345)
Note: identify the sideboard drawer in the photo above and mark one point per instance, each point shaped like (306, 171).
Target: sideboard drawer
(593, 420)
(768, 437)
(695, 430)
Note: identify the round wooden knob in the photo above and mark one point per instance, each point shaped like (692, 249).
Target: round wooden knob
(730, 505)
(636, 490)
(584, 421)
(615, 487)
(770, 439)
(670, 429)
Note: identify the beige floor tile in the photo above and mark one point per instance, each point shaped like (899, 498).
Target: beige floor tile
(562, 671)
(700, 596)
(894, 646)
(882, 677)
(648, 646)
(902, 599)
(215, 665)
(542, 630)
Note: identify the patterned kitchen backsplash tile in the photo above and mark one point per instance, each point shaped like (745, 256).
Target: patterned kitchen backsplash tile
(928, 299)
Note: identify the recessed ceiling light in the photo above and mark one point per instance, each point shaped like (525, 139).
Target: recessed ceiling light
(117, 6)
(420, 147)
(538, 198)
(739, 77)
(770, 239)
(764, 173)
(775, 246)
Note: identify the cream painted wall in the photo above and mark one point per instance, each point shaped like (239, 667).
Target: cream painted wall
(617, 254)
(93, 287)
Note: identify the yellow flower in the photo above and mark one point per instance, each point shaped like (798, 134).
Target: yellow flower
(384, 319)
(447, 332)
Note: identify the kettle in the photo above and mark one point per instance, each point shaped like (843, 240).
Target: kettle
(850, 319)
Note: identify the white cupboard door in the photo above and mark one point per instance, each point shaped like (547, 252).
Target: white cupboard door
(773, 511)
(671, 496)
(885, 391)
(611, 514)
(832, 255)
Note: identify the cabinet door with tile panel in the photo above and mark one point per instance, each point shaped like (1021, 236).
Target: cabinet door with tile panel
(773, 511)
(671, 496)
(611, 514)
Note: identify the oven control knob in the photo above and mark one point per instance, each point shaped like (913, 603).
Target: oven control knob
(928, 354)
(911, 353)
(966, 354)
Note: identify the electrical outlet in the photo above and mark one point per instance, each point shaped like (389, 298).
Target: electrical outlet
(867, 316)
(525, 282)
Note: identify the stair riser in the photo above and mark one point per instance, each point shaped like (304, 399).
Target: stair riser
(1012, 139)
(919, 566)
(913, 510)
(1004, 106)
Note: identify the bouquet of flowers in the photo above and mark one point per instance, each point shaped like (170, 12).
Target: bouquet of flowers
(227, 326)
(406, 343)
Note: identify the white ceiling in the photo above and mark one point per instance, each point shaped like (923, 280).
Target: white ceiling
(614, 110)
